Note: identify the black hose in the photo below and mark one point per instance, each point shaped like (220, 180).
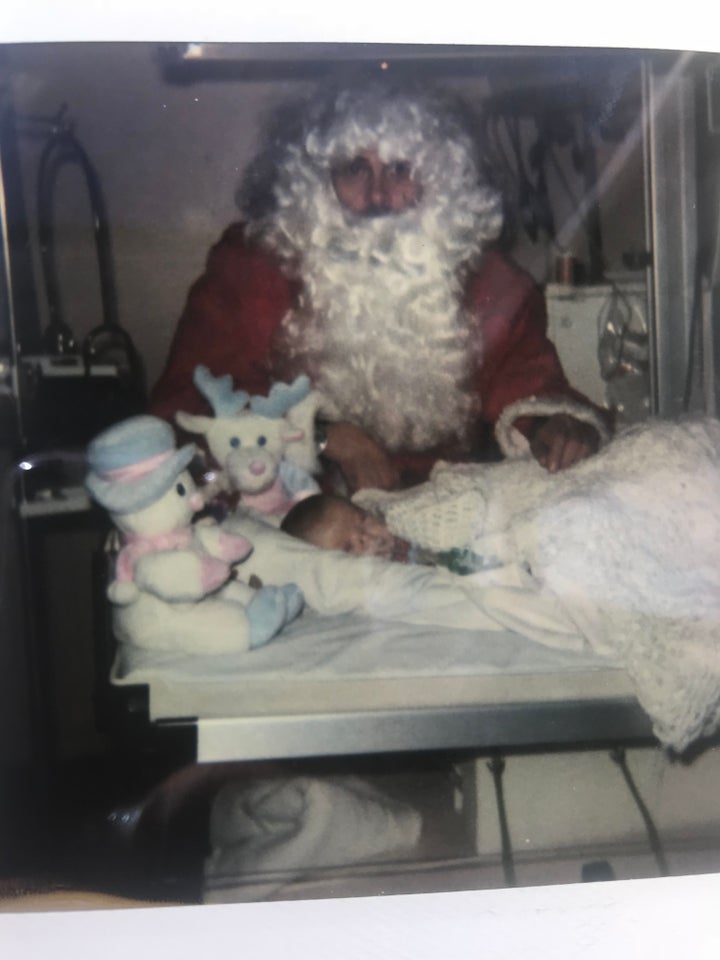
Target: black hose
(618, 757)
(63, 149)
(497, 767)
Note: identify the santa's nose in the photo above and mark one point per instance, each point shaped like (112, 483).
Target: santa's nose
(377, 194)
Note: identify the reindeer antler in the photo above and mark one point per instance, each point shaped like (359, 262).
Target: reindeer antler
(219, 393)
(282, 397)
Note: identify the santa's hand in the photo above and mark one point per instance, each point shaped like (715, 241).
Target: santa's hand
(561, 440)
(361, 460)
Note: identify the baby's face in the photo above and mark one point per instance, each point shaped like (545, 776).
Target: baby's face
(352, 530)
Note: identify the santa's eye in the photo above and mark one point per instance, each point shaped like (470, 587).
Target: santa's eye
(356, 167)
(181, 489)
(399, 169)
(261, 441)
(235, 442)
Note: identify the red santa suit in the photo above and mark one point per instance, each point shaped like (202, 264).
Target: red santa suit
(234, 312)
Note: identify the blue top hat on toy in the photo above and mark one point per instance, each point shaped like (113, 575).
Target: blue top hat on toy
(133, 463)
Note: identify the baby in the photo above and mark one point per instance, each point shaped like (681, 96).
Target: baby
(332, 523)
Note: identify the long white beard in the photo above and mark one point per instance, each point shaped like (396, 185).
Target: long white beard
(380, 327)
(381, 331)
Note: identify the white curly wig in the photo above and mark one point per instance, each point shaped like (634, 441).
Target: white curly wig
(380, 326)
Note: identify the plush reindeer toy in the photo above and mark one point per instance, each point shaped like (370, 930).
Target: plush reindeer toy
(263, 445)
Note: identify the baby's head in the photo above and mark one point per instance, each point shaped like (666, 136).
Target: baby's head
(331, 523)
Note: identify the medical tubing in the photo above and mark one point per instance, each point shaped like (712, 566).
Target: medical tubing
(496, 766)
(618, 757)
(7, 486)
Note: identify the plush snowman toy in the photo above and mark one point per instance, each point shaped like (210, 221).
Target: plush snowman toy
(176, 585)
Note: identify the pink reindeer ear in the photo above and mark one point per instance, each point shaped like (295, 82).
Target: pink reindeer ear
(293, 436)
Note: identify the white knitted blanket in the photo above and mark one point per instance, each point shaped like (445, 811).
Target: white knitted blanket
(627, 541)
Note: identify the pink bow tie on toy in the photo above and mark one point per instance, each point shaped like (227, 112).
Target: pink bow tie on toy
(136, 547)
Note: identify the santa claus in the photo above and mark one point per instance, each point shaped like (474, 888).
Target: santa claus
(365, 260)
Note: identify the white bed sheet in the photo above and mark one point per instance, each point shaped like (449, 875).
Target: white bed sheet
(336, 664)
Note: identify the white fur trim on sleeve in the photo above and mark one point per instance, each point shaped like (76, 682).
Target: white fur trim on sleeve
(303, 453)
(514, 444)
